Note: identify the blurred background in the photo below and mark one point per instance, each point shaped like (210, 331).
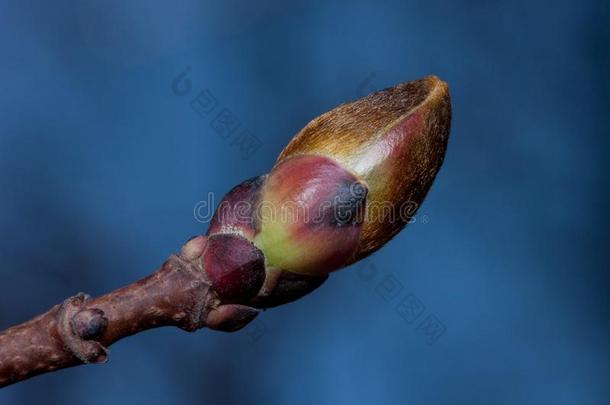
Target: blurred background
(105, 153)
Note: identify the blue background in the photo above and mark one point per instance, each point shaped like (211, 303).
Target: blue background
(101, 165)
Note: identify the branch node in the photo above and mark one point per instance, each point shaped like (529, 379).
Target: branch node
(204, 298)
(76, 326)
(89, 323)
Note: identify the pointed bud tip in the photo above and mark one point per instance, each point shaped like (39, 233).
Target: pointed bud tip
(437, 83)
(438, 97)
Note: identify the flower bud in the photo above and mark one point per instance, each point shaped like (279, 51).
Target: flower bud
(236, 213)
(235, 266)
(394, 141)
(310, 215)
(343, 187)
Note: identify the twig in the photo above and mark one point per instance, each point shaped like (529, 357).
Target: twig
(78, 330)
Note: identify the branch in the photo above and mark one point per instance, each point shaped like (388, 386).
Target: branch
(78, 330)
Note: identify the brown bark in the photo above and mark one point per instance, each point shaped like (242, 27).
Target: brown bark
(78, 330)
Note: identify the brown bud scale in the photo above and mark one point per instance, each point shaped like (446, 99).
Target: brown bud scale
(394, 140)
